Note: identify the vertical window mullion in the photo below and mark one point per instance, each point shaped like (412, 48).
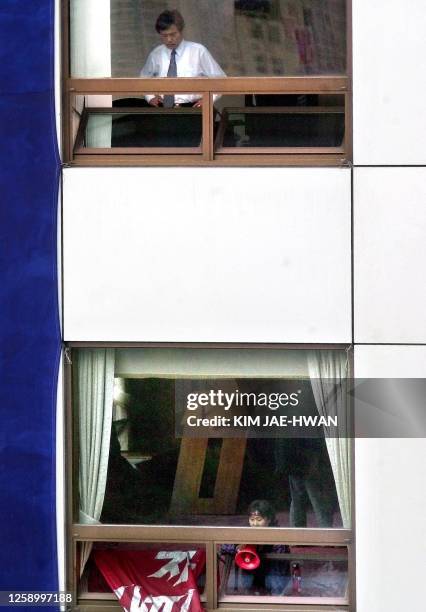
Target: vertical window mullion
(211, 575)
(207, 126)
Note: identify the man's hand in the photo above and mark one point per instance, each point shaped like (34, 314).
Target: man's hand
(198, 103)
(156, 101)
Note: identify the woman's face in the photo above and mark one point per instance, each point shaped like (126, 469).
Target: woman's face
(257, 520)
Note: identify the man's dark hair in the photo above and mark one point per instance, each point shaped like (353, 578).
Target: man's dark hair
(169, 18)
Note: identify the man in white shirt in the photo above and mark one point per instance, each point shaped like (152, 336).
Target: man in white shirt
(177, 57)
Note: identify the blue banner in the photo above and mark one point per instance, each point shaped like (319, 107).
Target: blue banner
(29, 321)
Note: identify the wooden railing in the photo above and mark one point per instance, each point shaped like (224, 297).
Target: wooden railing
(207, 88)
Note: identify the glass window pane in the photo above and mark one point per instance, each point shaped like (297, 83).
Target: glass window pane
(156, 476)
(242, 37)
(288, 121)
(153, 122)
(282, 574)
(147, 129)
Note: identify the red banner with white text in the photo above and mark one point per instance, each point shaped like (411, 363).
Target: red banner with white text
(153, 580)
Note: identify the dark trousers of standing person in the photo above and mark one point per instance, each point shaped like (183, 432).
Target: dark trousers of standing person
(305, 489)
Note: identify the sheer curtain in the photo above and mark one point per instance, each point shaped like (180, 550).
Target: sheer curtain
(323, 366)
(94, 388)
(90, 47)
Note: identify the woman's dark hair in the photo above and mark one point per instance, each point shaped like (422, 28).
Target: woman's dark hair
(169, 18)
(265, 509)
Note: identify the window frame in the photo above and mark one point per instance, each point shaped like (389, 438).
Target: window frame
(210, 537)
(207, 87)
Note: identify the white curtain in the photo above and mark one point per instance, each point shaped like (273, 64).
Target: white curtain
(90, 42)
(94, 387)
(325, 367)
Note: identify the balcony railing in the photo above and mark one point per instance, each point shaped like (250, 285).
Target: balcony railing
(282, 142)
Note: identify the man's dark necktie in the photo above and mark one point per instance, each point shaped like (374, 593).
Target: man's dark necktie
(169, 100)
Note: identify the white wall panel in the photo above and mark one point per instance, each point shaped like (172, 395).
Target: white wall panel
(390, 361)
(389, 255)
(255, 255)
(390, 499)
(389, 85)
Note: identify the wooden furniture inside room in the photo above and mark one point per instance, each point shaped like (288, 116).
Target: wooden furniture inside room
(186, 489)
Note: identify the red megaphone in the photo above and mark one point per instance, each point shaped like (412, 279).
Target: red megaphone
(247, 558)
